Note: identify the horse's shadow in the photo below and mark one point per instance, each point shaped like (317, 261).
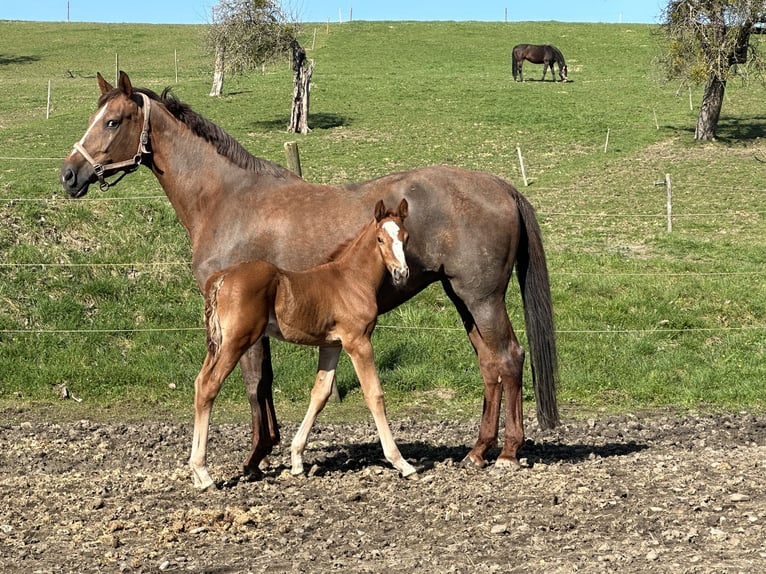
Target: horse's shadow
(426, 456)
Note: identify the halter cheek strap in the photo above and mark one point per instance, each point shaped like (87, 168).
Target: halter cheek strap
(127, 166)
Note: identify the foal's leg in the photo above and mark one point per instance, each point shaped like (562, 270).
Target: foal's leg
(320, 393)
(361, 354)
(208, 383)
(258, 378)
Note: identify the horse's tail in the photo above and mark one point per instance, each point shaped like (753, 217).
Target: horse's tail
(212, 320)
(532, 272)
(514, 63)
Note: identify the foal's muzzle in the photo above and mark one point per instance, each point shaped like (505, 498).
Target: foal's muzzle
(399, 275)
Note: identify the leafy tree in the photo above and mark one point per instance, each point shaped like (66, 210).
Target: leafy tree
(710, 42)
(245, 34)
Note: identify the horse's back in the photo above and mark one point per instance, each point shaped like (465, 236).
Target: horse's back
(446, 207)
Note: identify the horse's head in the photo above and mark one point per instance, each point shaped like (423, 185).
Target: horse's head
(392, 239)
(116, 138)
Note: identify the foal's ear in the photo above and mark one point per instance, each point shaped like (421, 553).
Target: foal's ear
(380, 210)
(124, 84)
(403, 209)
(103, 85)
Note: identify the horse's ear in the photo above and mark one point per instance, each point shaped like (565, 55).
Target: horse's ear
(380, 210)
(124, 84)
(403, 209)
(103, 84)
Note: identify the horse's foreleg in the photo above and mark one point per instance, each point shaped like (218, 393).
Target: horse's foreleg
(258, 378)
(320, 393)
(361, 354)
(206, 387)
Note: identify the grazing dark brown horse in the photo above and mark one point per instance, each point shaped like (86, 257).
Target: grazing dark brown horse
(544, 54)
(329, 305)
(467, 230)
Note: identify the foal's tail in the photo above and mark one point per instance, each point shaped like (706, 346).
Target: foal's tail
(212, 321)
(532, 272)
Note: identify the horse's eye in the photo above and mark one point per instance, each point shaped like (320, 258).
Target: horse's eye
(112, 124)
(380, 239)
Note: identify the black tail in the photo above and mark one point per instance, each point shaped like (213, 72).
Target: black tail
(532, 271)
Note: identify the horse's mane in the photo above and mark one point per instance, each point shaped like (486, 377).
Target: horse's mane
(224, 144)
(559, 56)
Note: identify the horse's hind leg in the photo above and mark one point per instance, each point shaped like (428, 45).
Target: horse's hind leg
(501, 361)
(328, 362)
(361, 354)
(258, 378)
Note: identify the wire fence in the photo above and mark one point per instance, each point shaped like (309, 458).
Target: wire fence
(591, 215)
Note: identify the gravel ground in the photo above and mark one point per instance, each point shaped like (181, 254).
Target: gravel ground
(655, 492)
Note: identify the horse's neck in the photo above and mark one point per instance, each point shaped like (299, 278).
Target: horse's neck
(180, 163)
(360, 261)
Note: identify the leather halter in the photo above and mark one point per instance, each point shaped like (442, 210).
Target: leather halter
(128, 166)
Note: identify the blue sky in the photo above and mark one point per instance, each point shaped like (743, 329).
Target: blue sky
(198, 11)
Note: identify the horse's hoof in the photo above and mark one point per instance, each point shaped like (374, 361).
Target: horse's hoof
(252, 474)
(470, 462)
(505, 465)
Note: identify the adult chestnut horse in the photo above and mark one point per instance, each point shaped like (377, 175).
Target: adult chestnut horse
(544, 54)
(328, 305)
(467, 230)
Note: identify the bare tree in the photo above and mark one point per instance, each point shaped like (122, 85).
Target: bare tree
(245, 34)
(302, 70)
(709, 42)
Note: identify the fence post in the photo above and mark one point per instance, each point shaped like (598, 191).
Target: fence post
(293, 158)
(669, 204)
(521, 164)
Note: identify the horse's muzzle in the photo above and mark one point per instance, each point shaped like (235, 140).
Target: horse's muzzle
(74, 182)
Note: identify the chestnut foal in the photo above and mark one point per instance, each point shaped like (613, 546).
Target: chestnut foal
(333, 306)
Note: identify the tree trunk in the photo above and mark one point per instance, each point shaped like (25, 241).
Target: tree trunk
(299, 112)
(217, 88)
(710, 110)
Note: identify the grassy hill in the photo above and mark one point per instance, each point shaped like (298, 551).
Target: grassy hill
(97, 295)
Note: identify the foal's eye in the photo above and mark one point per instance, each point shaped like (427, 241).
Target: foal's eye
(112, 124)
(380, 239)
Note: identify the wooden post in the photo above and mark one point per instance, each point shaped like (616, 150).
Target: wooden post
(175, 61)
(669, 189)
(669, 200)
(116, 69)
(606, 143)
(691, 107)
(293, 158)
(521, 164)
(48, 106)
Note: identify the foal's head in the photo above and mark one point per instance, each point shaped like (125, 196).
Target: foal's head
(392, 239)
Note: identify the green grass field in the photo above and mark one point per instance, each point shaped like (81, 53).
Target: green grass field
(96, 294)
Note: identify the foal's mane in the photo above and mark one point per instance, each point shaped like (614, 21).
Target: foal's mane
(224, 144)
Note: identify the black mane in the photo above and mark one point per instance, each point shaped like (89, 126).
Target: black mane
(224, 144)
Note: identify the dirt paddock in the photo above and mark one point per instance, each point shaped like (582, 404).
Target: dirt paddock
(655, 493)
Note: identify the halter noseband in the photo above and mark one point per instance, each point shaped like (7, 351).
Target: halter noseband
(128, 166)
